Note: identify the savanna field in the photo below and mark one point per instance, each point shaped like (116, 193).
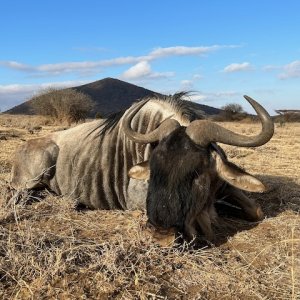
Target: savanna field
(51, 250)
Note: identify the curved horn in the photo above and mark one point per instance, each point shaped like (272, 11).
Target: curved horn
(165, 128)
(204, 132)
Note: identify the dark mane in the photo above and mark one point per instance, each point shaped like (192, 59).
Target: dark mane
(187, 107)
(111, 121)
(176, 100)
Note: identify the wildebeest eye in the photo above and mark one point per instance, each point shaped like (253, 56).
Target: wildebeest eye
(153, 145)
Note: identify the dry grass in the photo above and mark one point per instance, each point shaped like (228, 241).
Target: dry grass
(24, 122)
(49, 250)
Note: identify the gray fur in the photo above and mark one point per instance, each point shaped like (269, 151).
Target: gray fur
(92, 166)
(137, 194)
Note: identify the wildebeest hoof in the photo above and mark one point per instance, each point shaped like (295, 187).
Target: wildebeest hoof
(255, 214)
(259, 213)
(162, 237)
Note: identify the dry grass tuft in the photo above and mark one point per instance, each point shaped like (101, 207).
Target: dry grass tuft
(51, 250)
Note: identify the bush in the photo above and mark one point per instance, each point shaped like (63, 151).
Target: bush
(233, 108)
(232, 112)
(63, 105)
(287, 117)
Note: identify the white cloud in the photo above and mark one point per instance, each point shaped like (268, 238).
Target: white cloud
(183, 50)
(88, 66)
(67, 67)
(237, 67)
(20, 88)
(142, 70)
(270, 68)
(186, 84)
(210, 98)
(16, 65)
(219, 96)
(13, 94)
(291, 70)
(197, 97)
(206, 97)
(197, 77)
(157, 75)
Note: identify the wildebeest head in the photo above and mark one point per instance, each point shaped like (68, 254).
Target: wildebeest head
(187, 168)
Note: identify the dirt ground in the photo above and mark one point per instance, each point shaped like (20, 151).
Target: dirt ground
(50, 250)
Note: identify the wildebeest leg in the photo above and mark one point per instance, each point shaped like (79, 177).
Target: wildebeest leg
(204, 221)
(200, 210)
(34, 164)
(252, 210)
(190, 230)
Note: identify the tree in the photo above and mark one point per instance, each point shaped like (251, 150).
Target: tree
(232, 112)
(233, 108)
(65, 105)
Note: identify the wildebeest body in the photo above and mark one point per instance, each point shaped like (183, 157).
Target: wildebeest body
(90, 162)
(93, 162)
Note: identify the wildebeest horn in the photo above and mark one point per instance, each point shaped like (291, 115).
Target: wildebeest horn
(203, 132)
(157, 134)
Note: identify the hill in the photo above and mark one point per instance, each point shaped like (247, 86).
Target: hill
(110, 95)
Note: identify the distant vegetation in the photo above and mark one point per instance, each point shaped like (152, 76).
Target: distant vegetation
(65, 106)
(233, 108)
(231, 112)
(286, 116)
(234, 112)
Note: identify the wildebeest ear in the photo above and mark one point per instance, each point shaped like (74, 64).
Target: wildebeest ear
(236, 176)
(140, 171)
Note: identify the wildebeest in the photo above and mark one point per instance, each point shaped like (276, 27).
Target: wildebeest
(188, 171)
(90, 162)
(93, 163)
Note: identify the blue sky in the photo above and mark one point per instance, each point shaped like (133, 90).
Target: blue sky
(221, 50)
